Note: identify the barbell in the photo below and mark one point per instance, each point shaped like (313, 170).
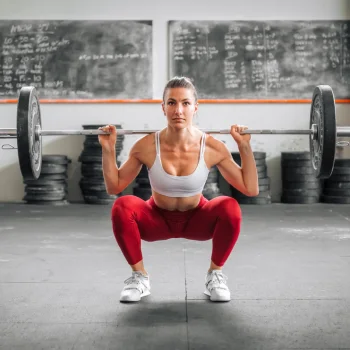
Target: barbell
(323, 132)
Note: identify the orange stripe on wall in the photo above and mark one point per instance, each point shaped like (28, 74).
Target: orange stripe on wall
(203, 101)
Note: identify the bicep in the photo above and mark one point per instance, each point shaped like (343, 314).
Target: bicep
(230, 170)
(128, 171)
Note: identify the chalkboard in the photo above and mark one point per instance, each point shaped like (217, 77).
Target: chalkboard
(77, 59)
(261, 59)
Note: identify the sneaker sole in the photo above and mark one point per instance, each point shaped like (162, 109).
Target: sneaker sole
(126, 300)
(206, 292)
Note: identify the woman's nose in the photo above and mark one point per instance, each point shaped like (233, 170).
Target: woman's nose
(178, 109)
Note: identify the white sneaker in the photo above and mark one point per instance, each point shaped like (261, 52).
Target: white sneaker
(136, 287)
(215, 286)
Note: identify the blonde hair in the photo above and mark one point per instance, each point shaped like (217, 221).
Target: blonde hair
(180, 82)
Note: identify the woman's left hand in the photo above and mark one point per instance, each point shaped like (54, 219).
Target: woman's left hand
(235, 132)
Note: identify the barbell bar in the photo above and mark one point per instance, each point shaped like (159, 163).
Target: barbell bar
(342, 131)
(322, 133)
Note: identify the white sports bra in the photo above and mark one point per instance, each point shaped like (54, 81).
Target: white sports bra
(178, 186)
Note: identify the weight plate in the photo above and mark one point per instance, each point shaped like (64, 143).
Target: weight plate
(264, 181)
(302, 192)
(315, 185)
(299, 199)
(335, 199)
(254, 200)
(341, 192)
(297, 178)
(323, 146)
(298, 170)
(334, 184)
(293, 163)
(295, 156)
(342, 162)
(341, 171)
(53, 203)
(29, 146)
(341, 178)
(55, 159)
(95, 200)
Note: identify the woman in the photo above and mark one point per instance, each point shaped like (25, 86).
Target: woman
(178, 159)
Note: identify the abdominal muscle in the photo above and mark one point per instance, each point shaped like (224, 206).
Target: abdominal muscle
(176, 203)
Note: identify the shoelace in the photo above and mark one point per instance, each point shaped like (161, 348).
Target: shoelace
(217, 279)
(134, 279)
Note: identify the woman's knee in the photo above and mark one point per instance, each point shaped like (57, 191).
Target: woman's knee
(124, 205)
(228, 207)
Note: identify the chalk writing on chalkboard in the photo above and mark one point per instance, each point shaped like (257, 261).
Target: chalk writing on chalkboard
(261, 59)
(77, 59)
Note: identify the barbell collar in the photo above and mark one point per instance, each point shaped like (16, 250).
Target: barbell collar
(343, 131)
(8, 132)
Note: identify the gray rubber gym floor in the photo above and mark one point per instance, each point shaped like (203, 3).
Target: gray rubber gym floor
(61, 273)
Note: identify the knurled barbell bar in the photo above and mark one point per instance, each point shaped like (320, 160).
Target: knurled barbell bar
(322, 134)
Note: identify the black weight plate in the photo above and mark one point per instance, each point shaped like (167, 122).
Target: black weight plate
(46, 189)
(298, 170)
(53, 168)
(342, 192)
(264, 181)
(295, 156)
(341, 171)
(53, 203)
(55, 159)
(237, 194)
(254, 200)
(302, 192)
(62, 176)
(92, 181)
(29, 147)
(99, 194)
(298, 178)
(42, 197)
(335, 199)
(337, 184)
(339, 178)
(262, 175)
(95, 200)
(43, 182)
(342, 162)
(142, 181)
(323, 146)
(310, 185)
(292, 163)
(299, 199)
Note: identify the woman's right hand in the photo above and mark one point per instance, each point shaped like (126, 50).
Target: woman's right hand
(108, 141)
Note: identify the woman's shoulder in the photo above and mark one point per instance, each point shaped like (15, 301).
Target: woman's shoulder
(214, 143)
(144, 142)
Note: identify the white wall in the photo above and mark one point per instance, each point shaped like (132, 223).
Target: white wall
(66, 116)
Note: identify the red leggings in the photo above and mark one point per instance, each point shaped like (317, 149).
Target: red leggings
(134, 219)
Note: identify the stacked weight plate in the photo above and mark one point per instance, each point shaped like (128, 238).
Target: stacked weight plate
(51, 187)
(211, 187)
(142, 188)
(299, 184)
(336, 188)
(264, 196)
(92, 182)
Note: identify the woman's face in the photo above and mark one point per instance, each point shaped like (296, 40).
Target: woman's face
(179, 106)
